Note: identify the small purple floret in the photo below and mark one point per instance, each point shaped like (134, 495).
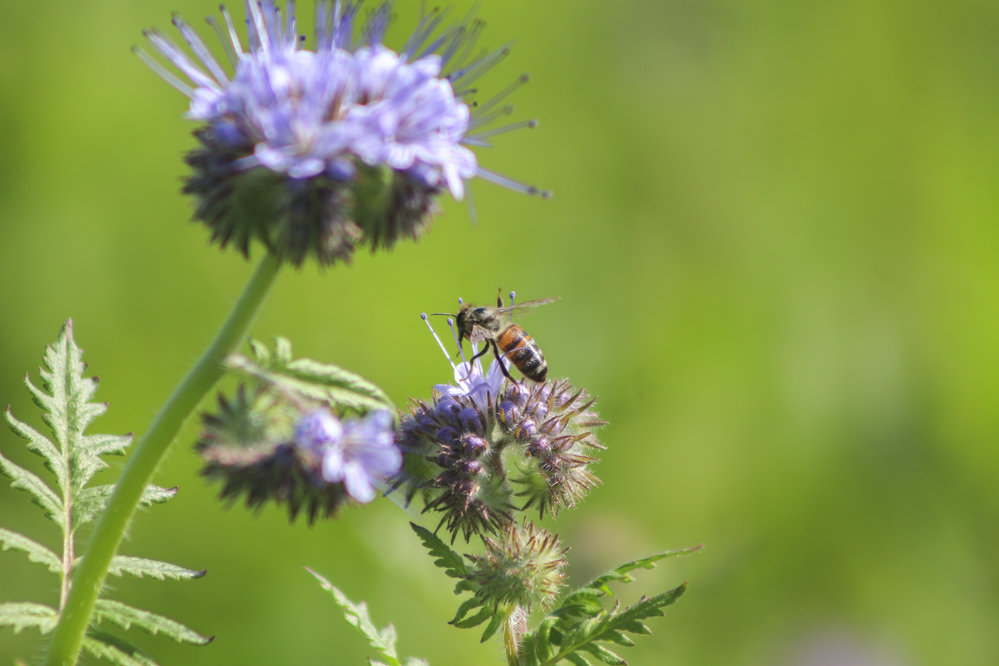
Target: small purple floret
(366, 455)
(358, 453)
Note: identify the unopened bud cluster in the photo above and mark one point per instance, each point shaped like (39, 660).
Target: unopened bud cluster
(526, 566)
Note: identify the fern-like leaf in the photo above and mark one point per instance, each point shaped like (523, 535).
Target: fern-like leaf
(622, 573)
(446, 559)
(580, 628)
(23, 614)
(73, 457)
(141, 567)
(126, 616)
(90, 501)
(40, 492)
(382, 640)
(115, 650)
(309, 379)
(66, 408)
(40, 444)
(36, 552)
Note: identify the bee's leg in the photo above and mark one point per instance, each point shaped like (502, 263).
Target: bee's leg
(479, 353)
(499, 359)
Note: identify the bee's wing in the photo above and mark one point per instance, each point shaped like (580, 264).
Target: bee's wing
(526, 305)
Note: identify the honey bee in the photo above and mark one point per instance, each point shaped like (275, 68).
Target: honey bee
(485, 324)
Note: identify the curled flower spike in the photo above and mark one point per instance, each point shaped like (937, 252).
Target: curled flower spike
(313, 463)
(316, 150)
(484, 442)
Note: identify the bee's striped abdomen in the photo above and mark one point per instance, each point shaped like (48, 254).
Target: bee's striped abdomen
(523, 352)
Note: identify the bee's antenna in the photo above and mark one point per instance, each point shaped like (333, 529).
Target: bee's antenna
(440, 344)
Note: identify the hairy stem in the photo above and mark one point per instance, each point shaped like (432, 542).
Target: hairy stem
(68, 554)
(514, 627)
(89, 576)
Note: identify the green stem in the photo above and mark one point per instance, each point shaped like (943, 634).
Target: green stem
(89, 576)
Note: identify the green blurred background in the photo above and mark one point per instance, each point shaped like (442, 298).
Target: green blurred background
(774, 236)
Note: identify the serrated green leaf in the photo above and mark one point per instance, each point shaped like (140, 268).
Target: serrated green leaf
(41, 445)
(115, 649)
(413, 661)
(310, 379)
(467, 622)
(41, 494)
(584, 602)
(357, 616)
(621, 573)
(140, 567)
(464, 609)
(24, 614)
(36, 551)
(90, 502)
(73, 457)
(126, 616)
(571, 633)
(576, 658)
(603, 654)
(65, 399)
(494, 624)
(157, 495)
(619, 637)
(452, 563)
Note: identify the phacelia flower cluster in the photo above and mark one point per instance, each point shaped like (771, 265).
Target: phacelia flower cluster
(312, 461)
(316, 150)
(488, 447)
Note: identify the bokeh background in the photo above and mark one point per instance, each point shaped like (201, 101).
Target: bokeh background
(774, 235)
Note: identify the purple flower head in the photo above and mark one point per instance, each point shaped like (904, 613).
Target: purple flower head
(364, 456)
(358, 122)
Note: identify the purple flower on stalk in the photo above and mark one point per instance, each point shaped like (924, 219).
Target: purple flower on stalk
(486, 447)
(359, 453)
(316, 150)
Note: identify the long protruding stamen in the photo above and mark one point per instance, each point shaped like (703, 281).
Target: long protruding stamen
(479, 120)
(423, 316)
(230, 53)
(473, 71)
(514, 185)
(512, 295)
(477, 138)
(257, 28)
(503, 94)
(463, 43)
(199, 49)
(429, 22)
(180, 60)
(233, 35)
(163, 72)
